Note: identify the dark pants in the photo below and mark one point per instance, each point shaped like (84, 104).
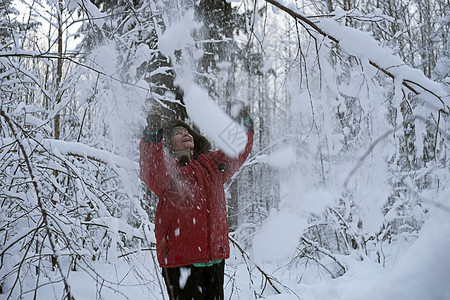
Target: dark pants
(197, 283)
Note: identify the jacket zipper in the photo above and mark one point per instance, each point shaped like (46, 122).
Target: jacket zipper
(208, 215)
(207, 177)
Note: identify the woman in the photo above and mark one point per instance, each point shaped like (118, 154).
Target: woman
(191, 224)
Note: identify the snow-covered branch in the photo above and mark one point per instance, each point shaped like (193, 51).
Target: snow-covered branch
(83, 150)
(46, 224)
(366, 48)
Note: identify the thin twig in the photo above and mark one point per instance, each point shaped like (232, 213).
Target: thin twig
(269, 278)
(44, 213)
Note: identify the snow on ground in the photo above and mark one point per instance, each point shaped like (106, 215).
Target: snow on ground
(362, 277)
(424, 271)
(420, 271)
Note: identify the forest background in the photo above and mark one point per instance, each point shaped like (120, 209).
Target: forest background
(345, 194)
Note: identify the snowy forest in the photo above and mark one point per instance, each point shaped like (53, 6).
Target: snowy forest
(346, 192)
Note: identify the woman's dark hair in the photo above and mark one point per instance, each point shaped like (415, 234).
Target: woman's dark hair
(201, 144)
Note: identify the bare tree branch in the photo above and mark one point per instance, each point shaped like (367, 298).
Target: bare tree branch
(45, 222)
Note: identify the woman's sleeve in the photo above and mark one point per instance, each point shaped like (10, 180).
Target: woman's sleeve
(153, 168)
(234, 163)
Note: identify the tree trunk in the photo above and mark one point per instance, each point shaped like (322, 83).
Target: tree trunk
(57, 129)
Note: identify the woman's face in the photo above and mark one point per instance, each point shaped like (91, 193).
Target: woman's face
(181, 139)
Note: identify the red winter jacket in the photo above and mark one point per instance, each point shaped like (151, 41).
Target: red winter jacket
(191, 223)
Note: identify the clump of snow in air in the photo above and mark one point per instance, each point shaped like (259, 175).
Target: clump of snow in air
(282, 158)
(316, 200)
(278, 237)
(106, 57)
(177, 35)
(227, 134)
(184, 276)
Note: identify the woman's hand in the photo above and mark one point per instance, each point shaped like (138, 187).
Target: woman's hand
(153, 132)
(244, 118)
